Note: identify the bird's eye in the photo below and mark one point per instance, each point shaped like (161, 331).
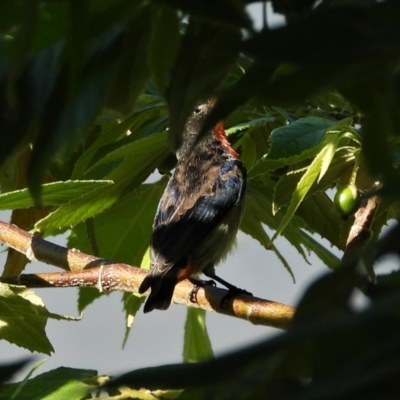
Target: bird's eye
(197, 110)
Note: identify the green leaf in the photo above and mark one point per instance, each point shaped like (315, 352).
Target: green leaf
(285, 188)
(319, 213)
(64, 121)
(133, 301)
(76, 38)
(114, 134)
(265, 165)
(27, 377)
(60, 383)
(87, 296)
(340, 169)
(248, 151)
(249, 124)
(139, 159)
(298, 140)
(130, 220)
(206, 54)
(197, 345)
(116, 163)
(234, 96)
(23, 318)
(133, 69)
(302, 188)
(54, 193)
(164, 48)
(257, 212)
(325, 255)
(132, 304)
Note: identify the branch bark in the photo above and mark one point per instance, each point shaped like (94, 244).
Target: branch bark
(84, 270)
(360, 232)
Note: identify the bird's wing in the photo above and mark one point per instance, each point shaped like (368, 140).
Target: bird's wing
(182, 221)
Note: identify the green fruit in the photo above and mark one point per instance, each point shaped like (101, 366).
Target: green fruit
(347, 201)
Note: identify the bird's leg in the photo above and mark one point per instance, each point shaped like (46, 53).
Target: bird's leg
(198, 283)
(232, 290)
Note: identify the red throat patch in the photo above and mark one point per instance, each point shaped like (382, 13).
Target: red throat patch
(220, 134)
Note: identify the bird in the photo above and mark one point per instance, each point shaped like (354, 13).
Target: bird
(199, 213)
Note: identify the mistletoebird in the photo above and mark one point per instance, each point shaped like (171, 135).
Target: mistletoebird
(199, 213)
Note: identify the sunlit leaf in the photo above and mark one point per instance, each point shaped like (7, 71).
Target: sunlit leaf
(304, 185)
(60, 383)
(23, 318)
(197, 345)
(136, 161)
(54, 193)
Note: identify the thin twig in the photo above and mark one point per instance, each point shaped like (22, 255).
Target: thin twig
(84, 270)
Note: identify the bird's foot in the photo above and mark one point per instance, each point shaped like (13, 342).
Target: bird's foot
(232, 292)
(197, 285)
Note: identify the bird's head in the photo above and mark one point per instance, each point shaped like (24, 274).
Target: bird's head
(193, 127)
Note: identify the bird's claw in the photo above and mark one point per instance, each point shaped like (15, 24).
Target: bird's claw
(197, 285)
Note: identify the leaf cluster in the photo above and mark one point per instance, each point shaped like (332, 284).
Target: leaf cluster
(93, 97)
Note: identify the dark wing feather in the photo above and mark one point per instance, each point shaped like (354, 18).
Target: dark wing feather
(182, 221)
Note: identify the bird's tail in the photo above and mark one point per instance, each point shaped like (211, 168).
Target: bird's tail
(162, 290)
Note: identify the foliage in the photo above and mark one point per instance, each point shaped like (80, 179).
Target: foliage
(94, 95)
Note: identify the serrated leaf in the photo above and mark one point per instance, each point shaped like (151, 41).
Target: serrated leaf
(287, 184)
(284, 189)
(248, 151)
(141, 158)
(332, 141)
(249, 124)
(196, 345)
(282, 259)
(130, 220)
(60, 383)
(110, 139)
(67, 113)
(27, 377)
(132, 303)
(264, 165)
(325, 255)
(339, 169)
(302, 188)
(233, 97)
(257, 212)
(298, 140)
(106, 136)
(23, 318)
(111, 165)
(87, 296)
(54, 193)
(318, 212)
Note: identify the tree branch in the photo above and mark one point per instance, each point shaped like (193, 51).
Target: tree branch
(360, 232)
(84, 270)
